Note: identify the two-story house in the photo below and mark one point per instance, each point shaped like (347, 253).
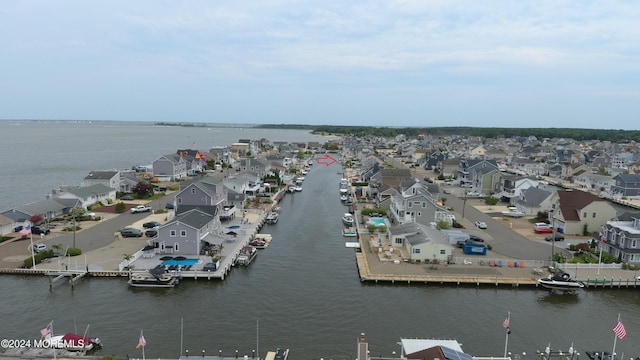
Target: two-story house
(511, 186)
(626, 185)
(414, 203)
(578, 212)
(189, 233)
(621, 238)
(467, 168)
(107, 178)
(170, 167)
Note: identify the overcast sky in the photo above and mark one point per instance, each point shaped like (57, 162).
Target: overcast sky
(384, 63)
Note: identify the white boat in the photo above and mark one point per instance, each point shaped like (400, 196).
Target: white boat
(348, 220)
(349, 232)
(246, 256)
(562, 282)
(298, 188)
(513, 211)
(343, 197)
(272, 218)
(74, 342)
(156, 279)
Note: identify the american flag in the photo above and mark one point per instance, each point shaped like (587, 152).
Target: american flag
(141, 341)
(619, 330)
(46, 331)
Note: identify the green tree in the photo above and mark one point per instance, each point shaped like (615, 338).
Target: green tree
(490, 200)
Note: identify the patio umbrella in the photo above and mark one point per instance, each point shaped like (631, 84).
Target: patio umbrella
(233, 227)
(232, 233)
(166, 258)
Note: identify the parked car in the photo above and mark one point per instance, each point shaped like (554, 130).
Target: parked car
(36, 230)
(542, 228)
(151, 233)
(475, 238)
(169, 206)
(131, 232)
(18, 228)
(559, 237)
(39, 247)
(126, 197)
(151, 224)
(447, 191)
(481, 224)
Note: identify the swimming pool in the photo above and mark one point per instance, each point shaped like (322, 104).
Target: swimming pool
(185, 262)
(377, 221)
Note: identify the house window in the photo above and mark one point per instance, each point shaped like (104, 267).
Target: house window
(419, 214)
(416, 251)
(443, 252)
(633, 243)
(424, 205)
(584, 215)
(172, 233)
(410, 204)
(183, 233)
(398, 241)
(175, 247)
(193, 190)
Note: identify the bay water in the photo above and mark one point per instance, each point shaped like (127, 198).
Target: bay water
(302, 292)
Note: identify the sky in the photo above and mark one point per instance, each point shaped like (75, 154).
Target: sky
(567, 64)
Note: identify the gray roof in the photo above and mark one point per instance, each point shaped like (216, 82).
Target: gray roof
(84, 192)
(195, 218)
(101, 175)
(210, 210)
(533, 196)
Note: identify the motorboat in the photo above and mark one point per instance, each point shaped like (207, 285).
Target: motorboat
(74, 342)
(349, 232)
(298, 188)
(261, 241)
(562, 282)
(348, 219)
(272, 218)
(343, 197)
(246, 256)
(152, 279)
(513, 211)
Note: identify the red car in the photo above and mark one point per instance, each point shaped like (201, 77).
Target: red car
(543, 229)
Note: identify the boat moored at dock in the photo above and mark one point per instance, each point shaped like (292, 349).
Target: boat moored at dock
(246, 256)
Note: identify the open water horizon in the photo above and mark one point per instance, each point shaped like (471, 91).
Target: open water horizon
(303, 292)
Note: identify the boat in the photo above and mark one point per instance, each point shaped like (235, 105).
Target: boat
(74, 342)
(298, 188)
(246, 256)
(343, 197)
(349, 232)
(562, 282)
(348, 219)
(153, 278)
(513, 211)
(261, 241)
(272, 218)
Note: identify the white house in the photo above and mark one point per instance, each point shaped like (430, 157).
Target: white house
(422, 243)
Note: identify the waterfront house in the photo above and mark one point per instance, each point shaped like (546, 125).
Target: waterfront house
(107, 178)
(202, 192)
(88, 195)
(627, 185)
(414, 203)
(422, 243)
(169, 167)
(187, 234)
(6, 225)
(433, 349)
(383, 196)
(577, 212)
(621, 238)
(48, 209)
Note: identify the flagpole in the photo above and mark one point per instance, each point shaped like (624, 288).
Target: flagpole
(600, 257)
(181, 335)
(33, 256)
(506, 340)
(615, 338)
